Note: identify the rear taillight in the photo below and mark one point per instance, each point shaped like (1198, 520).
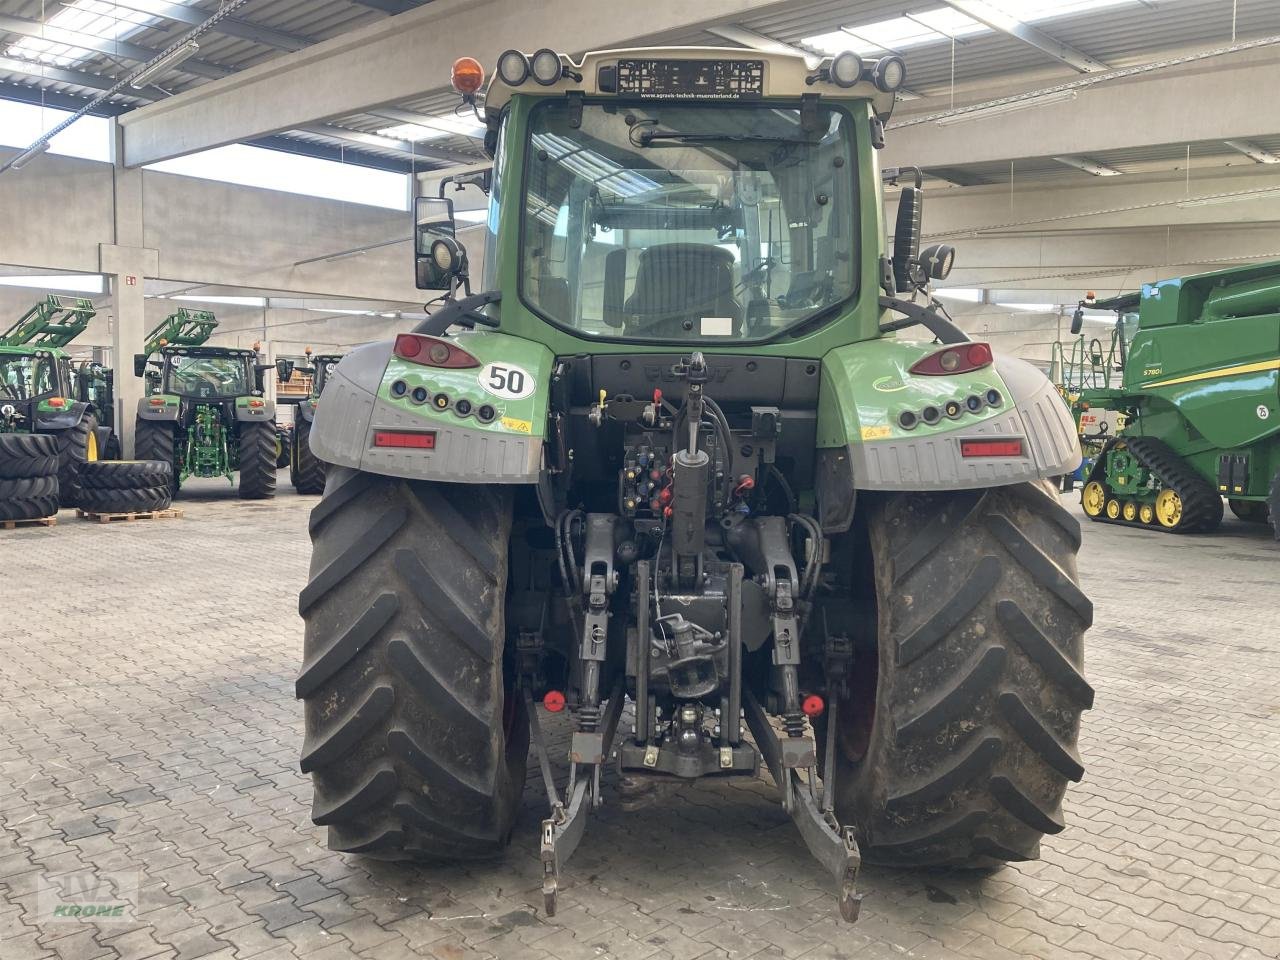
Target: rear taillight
(57, 402)
(961, 358)
(432, 352)
(991, 448)
(257, 403)
(414, 440)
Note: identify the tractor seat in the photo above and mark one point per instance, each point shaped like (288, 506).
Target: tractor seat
(677, 285)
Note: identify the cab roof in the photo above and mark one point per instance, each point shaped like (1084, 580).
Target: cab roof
(785, 75)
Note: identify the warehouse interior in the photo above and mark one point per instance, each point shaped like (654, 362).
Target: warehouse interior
(262, 163)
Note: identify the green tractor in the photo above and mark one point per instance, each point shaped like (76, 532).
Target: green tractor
(672, 454)
(205, 412)
(1199, 398)
(306, 470)
(41, 391)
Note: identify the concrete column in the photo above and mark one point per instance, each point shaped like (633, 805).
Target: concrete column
(125, 268)
(126, 264)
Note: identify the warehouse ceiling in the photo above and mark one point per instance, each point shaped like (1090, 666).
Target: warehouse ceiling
(957, 52)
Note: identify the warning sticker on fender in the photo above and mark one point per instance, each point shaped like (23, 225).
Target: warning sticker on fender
(876, 433)
(519, 426)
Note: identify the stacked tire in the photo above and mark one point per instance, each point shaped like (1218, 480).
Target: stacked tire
(28, 476)
(126, 486)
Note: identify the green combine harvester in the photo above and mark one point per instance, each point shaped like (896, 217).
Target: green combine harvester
(670, 451)
(205, 412)
(1200, 399)
(41, 392)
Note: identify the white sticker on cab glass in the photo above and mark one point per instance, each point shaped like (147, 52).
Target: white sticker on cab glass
(717, 326)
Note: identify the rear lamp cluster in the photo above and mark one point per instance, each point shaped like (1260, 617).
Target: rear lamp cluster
(544, 67)
(431, 352)
(960, 358)
(463, 407)
(951, 409)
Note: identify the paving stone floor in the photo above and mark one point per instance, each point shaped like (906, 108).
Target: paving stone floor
(149, 738)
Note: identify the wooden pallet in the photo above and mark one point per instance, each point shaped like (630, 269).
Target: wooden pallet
(38, 522)
(171, 514)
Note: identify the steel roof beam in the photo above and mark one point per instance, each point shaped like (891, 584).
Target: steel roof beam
(404, 147)
(1002, 22)
(232, 26)
(392, 7)
(421, 120)
(1252, 151)
(121, 49)
(333, 78)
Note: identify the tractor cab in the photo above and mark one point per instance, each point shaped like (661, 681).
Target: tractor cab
(207, 373)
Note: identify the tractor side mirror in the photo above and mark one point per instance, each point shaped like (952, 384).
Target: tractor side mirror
(284, 370)
(439, 259)
(1077, 321)
(938, 260)
(139, 364)
(906, 237)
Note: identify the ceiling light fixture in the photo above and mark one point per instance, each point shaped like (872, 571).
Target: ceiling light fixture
(1090, 166)
(168, 61)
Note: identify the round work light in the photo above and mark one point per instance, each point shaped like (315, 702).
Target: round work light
(513, 68)
(545, 66)
(846, 69)
(889, 73)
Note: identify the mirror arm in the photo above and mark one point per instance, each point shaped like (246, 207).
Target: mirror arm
(928, 317)
(462, 312)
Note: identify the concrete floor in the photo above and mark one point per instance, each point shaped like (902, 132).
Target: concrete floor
(148, 734)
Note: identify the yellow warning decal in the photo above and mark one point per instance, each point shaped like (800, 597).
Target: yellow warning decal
(876, 433)
(519, 426)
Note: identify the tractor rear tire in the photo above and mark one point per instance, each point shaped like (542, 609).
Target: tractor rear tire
(77, 446)
(155, 440)
(415, 738)
(282, 447)
(966, 754)
(29, 488)
(27, 455)
(29, 508)
(137, 500)
(306, 470)
(126, 475)
(257, 461)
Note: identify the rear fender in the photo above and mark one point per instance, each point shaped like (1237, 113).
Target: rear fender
(373, 392)
(866, 388)
(49, 419)
(164, 412)
(245, 413)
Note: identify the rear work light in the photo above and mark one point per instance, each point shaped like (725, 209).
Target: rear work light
(991, 448)
(960, 358)
(405, 439)
(431, 352)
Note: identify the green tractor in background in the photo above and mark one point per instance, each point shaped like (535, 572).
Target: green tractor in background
(205, 411)
(41, 391)
(672, 453)
(1200, 401)
(306, 470)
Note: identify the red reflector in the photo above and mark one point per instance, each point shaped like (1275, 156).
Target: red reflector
(990, 448)
(813, 705)
(157, 401)
(553, 701)
(431, 352)
(403, 438)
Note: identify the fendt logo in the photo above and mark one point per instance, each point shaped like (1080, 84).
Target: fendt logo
(88, 895)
